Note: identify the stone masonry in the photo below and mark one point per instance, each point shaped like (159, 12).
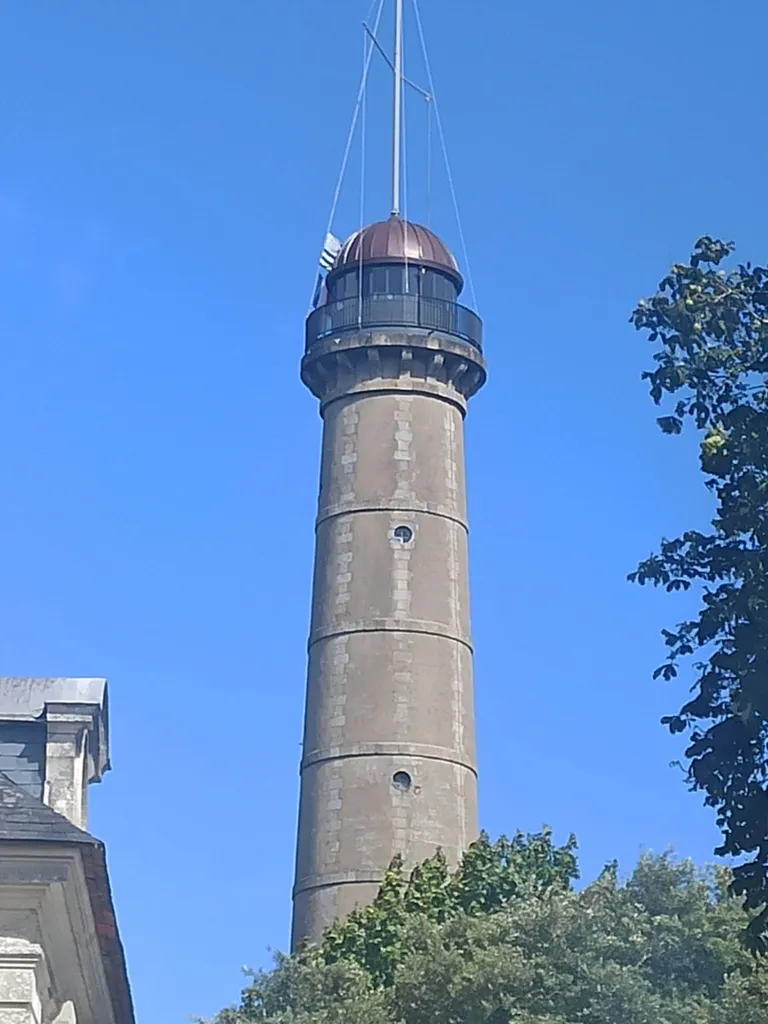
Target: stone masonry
(388, 762)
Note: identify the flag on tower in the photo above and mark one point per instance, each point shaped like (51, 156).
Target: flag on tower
(321, 293)
(331, 249)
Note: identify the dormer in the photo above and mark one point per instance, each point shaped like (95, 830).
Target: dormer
(54, 739)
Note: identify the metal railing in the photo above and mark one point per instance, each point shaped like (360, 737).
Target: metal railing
(395, 311)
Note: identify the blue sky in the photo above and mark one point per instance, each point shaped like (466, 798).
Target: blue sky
(165, 175)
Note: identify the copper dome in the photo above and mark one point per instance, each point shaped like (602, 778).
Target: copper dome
(397, 241)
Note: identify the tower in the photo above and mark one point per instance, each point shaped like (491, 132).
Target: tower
(388, 760)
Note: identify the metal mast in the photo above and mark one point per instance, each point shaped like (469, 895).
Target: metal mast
(398, 107)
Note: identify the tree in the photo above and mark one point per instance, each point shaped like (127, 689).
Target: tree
(711, 328)
(506, 940)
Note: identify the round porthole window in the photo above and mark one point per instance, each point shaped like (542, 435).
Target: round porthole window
(401, 781)
(403, 534)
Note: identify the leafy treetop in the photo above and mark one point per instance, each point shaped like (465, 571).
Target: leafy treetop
(506, 940)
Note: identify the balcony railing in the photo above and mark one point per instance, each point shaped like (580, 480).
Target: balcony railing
(394, 311)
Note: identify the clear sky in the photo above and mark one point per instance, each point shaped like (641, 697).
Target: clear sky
(166, 170)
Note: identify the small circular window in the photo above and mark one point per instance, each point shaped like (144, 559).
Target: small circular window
(401, 781)
(403, 534)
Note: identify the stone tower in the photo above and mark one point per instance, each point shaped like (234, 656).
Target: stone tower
(388, 763)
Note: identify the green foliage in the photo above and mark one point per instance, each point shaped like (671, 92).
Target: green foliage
(662, 948)
(489, 876)
(711, 328)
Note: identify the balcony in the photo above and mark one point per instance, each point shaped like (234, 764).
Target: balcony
(383, 311)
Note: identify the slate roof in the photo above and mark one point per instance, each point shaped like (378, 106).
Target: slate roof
(22, 817)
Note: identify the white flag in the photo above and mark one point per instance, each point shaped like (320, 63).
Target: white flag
(331, 249)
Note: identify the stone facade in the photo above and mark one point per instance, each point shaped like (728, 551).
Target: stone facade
(26, 991)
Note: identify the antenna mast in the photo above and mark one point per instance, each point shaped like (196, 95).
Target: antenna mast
(398, 107)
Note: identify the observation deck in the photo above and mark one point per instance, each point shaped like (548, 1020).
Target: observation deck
(347, 316)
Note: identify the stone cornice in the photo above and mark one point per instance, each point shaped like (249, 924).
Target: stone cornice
(57, 895)
(417, 360)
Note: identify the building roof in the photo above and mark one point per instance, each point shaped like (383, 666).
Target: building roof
(29, 699)
(26, 696)
(23, 819)
(396, 241)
